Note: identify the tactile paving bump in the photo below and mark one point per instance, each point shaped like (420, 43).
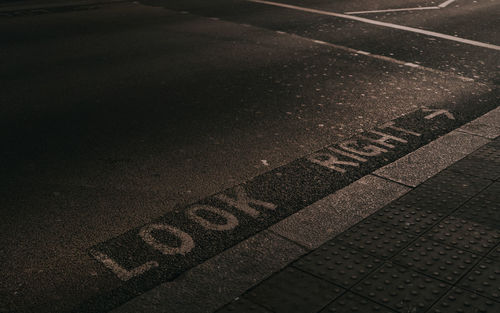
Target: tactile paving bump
(484, 162)
(338, 264)
(401, 289)
(436, 260)
(376, 239)
(242, 305)
(465, 235)
(410, 219)
(482, 210)
(294, 291)
(352, 303)
(484, 279)
(458, 183)
(459, 300)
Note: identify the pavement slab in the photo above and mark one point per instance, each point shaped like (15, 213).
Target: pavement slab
(293, 290)
(448, 265)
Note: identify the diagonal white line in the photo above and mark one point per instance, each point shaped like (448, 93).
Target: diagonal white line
(384, 24)
(394, 10)
(446, 3)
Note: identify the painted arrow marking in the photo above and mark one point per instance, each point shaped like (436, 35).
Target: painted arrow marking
(437, 112)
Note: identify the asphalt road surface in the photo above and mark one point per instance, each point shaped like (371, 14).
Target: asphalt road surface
(116, 113)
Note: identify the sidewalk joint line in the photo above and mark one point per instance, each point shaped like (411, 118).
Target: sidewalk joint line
(473, 134)
(391, 180)
(307, 249)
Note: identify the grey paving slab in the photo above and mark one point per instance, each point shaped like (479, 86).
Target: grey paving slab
(483, 130)
(484, 163)
(484, 279)
(410, 219)
(486, 153)
(491, 118)
(219, 280)
(459, 300)
(487, 125)
(420, 165)
(322, 220)
(495, 143)
(242, 305)
(495, 253)
(438, 261)
(376, 239)
(339, 264)
(464, 234)
(351, 303)
(451, 181)
(293, 290)
(420, 209)
(401, 289)
(481, 210)
(492, 192)
(431, 199)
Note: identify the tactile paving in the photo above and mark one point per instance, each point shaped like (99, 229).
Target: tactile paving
(338, 264)
(292, 290)
(407, 218)
(242, 305)
(401, 289)
(494, 143)
(352, 303)
(492, 192)
(484, 278)
(464, 234)
(482, 210)
(495, 253)
(431, 199)
(436, 260)
(459, 183)
(484, 162)
(459, 300)
(376, 239)
(487, 153)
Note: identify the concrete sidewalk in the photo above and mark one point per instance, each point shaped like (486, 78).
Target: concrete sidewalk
(420, 234)
(435, 249)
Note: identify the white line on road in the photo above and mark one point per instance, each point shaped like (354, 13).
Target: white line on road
(376, 56)
(446, 3)
(394, 10)
(442, 5)
(363, 52)
(411, 64)
(384, 24)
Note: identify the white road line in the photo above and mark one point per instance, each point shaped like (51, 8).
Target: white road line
(320, 42)
(363, 52)
(442, 5)
(411, 64)
(394, 10)
(446, 3)
(384, 24)
(378, 56)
